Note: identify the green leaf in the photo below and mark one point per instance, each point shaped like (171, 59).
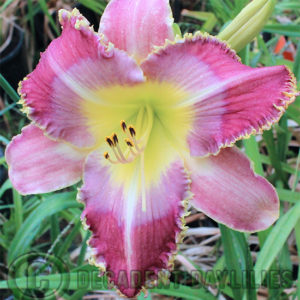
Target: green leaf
(233, 252)
(296, 68)
(63, 248)
(5, 5)
(5, 186)
(275, 242)
(297, 236)
(288, 5)
(293, 112)
(285, 167)
(287, 195)
(7, 108)
(54, 228)
(18, 212)
(26, 234)
(43, 5)
(97, 6)
(221, 10)
(30, 15)
(252, 151)
(289, 30)
(184, 292)
(209, 18)
(83, 249)
(8, 89)
(274, 156)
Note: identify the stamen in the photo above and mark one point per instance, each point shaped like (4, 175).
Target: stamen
(112, 142)
(109, 141)
(117, 156)
(145, 117)
(107, 157)
(123, 125)
(132, 136)
(129, 142)
(124, 160)
(132, 131)
(115, 139)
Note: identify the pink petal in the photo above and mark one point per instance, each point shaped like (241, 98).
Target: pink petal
(227, 190)
(70, 72)
(127, 240)
(40, 165)
(230, 100)
(136, 26)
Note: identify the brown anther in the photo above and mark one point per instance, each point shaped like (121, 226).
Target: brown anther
(123, 126)
(109, 142)
(106, 155)
(132, 131)
(129, 142)
(115, 139)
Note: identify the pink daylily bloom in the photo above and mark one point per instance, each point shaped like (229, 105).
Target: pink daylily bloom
(148, 121)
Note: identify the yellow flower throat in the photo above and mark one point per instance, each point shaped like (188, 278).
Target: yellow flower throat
(153, 128)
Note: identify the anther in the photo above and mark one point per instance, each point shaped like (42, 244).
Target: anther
(129, 142)
(115, 139)
(132, 131)
(123, 125)
(107, 157)
(133, 134)
(109, 142)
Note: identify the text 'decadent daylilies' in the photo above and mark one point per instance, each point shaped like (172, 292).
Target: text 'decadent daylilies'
(147, 124)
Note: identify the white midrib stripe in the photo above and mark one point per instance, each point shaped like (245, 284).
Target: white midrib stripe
(130, 206)
(217, 88)
(72, 84)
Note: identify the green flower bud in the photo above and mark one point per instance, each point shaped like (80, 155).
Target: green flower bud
(247, 24)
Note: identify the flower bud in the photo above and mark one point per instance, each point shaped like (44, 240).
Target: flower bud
(247, 24)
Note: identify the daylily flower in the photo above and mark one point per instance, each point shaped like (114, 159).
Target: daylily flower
(148, 120)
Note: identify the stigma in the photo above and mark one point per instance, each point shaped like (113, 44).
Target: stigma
(133, 149)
